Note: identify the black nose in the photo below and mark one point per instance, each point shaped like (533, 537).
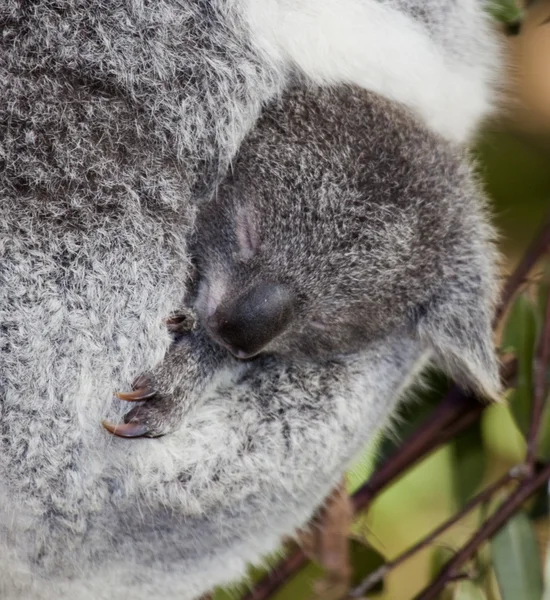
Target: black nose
(254, 319)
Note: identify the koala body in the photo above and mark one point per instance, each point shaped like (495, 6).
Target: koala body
(330, 233)
(116, 118)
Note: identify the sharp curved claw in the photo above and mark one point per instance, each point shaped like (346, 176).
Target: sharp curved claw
(181, 323)
(143, 393)
(132, 429)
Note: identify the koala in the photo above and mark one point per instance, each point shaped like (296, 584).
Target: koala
(330, 233)
(118, 121)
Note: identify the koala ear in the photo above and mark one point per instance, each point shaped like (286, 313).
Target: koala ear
(458, 330)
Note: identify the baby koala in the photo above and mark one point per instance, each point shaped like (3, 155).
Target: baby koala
(343, 221)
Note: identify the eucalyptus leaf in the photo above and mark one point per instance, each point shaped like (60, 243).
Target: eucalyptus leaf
(520, 337)
(544, 431)
(470, 462)
(547, 574)
(543, 450)
(516, 560)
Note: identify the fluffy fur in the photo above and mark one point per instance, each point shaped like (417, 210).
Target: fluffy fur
(437, 57)
(116, 117)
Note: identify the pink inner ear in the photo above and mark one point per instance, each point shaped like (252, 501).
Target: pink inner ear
(247, 235)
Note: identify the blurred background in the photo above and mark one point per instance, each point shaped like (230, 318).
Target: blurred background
(513, 159)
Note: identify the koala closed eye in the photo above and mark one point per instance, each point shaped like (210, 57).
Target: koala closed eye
(247, 234)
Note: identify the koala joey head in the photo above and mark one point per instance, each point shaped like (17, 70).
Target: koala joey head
(340, 226)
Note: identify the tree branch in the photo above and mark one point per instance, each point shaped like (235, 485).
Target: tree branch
(506, 510)
(537, 249)
(377, 576)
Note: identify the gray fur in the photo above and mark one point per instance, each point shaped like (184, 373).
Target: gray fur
(116, 117)
(357, 223)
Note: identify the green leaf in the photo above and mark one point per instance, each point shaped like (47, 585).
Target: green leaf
(506, 11)
(543, 450)
(546, 596)
(543, 289)
(469, 456)
(516, 560)
(468, 590)
(520, 335)
(547, 575)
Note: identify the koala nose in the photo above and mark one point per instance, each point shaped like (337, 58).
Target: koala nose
(254, 319)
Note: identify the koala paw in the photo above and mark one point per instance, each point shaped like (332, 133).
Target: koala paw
(174, 387)
(148, 419)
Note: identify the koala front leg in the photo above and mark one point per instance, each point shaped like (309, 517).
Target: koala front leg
(173, 389)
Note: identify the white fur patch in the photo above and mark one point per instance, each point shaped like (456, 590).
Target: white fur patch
(372, 45)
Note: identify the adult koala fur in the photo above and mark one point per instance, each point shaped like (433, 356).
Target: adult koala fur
(116, 117)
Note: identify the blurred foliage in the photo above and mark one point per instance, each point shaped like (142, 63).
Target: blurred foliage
(516, 560)
(520, 337)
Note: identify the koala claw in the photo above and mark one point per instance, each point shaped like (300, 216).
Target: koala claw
(133, 426)
(181, 322)
(142, 393)
(132, 429)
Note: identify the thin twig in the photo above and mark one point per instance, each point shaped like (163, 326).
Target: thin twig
(540, 370)
(506, 510)
(376, 576)
(453, 415)
(537, 249)
(424, 440)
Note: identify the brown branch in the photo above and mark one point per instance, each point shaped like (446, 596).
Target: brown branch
(542, 363)
(425, 439)
(506, 510)
(453, 415)
(376, 576)
(538, 248)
